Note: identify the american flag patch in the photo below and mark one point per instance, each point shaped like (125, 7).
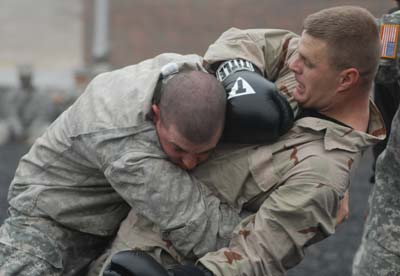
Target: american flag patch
(389, 34)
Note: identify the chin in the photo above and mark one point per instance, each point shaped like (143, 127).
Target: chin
(299, 98)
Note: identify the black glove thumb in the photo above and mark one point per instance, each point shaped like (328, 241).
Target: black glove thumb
(134, 263)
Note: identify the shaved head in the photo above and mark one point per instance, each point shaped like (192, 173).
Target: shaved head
(194, 102)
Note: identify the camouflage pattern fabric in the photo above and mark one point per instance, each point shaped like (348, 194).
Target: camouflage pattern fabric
(26, 113)
(379, 253)
(14, 262)
(32, 246)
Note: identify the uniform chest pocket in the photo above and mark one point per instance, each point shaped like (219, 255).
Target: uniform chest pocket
(261, 163)
(270, 164)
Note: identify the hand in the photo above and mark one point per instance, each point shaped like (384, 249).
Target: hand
(256, 112)
(343, 211)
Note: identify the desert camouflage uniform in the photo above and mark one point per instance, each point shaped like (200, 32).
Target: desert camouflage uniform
(379, 252)
(295, 184)
(100, 157)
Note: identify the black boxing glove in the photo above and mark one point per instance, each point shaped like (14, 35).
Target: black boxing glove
(139, 263)
(134, 263)
(189, 270)
(256, 111)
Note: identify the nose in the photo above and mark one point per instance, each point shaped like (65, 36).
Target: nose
(189, 161)
(294, 65)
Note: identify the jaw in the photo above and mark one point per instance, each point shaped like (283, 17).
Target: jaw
(299, 93)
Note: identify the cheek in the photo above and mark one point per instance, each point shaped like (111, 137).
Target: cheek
(172, 154)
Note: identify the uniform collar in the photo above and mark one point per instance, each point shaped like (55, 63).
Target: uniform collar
(342, 137)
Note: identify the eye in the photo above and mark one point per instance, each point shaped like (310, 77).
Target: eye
(206, 153)
(308, 64)
(177, 148)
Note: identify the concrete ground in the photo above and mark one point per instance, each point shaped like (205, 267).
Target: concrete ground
(331, 257)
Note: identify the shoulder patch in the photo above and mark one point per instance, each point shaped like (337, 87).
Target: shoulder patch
(389, 36)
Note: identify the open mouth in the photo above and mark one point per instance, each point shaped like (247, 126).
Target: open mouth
(299, 88)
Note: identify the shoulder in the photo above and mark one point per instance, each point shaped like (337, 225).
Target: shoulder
(311, 162)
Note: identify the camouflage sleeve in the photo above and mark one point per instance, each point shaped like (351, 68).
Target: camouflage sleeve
(187, 213)
(379, 251)
(268, 49)
(299, 213)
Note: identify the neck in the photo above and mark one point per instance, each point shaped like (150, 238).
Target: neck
(353, 111)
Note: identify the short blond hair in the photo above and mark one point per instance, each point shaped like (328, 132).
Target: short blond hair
(352, 36)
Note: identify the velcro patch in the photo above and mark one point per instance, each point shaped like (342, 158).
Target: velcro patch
(389, 36)
(169, 69)
(232, 66)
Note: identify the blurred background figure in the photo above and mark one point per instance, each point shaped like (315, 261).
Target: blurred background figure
(26, 110)
(396, 8)
(379, 252)
(387, 81)
(12, 99)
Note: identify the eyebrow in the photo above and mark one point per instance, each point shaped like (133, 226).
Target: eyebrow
(303, 57)
(306, 59)
(181, 149)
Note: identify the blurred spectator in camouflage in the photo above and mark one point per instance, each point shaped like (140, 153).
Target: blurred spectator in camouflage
(387, 93)
(26, 111)
(11, 100)
(379, 252)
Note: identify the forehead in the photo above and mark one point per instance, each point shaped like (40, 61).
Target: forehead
(312, 48)
(175, 138)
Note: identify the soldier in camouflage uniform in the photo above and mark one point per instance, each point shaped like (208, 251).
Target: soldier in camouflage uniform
(292, 188)
(379, 252)
(12, 103)
(104, 155)
(387, 85)
(26, 111)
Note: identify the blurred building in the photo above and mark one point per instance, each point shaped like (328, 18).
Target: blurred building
(133, 30)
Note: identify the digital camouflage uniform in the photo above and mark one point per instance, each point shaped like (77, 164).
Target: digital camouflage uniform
(99, 158)
(26, 111)
(291, 188)
(379, 252)
(387, 85)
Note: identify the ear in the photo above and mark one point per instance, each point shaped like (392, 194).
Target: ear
(156, 113)
(348, 78)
